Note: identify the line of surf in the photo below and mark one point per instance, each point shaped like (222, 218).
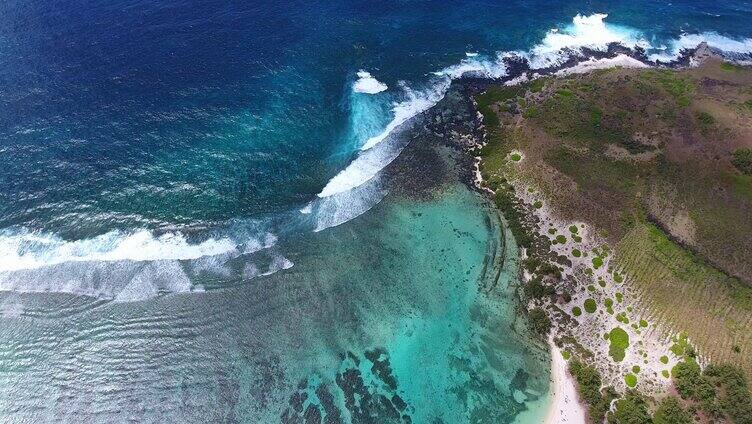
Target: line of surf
(559, 45)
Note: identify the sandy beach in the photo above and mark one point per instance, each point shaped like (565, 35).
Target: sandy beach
(565, 406)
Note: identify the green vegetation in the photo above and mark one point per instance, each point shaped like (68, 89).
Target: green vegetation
(705, 121)
(670, 411)
(688, 294)
(611, 140)
(632, 408)
(631, 380)
(677, 86)
(731, 67)
(516, 157)
(619, 342)
(590, 305)
(742, 160)
(720, 391)
(589, 388)
(539, 321)
(566, 355)
(537, 289)
(680, 345)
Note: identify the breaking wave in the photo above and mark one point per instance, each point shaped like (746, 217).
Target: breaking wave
(367, 84)
(128, 266)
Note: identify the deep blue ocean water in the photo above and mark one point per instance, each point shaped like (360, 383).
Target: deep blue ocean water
(213, 149)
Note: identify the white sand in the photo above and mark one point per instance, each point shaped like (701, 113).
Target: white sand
(565, 406)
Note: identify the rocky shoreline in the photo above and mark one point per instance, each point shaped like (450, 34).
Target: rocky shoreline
(454, 129)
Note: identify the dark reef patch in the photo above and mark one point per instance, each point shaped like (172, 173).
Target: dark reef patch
(370, 398)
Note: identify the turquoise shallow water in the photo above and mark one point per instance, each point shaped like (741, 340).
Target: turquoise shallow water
(173, 175)
(406, 311)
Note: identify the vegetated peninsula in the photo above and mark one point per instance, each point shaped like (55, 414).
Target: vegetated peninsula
(630, 190)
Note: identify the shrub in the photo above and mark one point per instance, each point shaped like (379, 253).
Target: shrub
(631, 409)
(619, 342)
(631, 380)
(576, 311)
(687, 378)
(539, 321)
(589, 388)
(735, 401)
(742, 160)
(536, 289)
(576, 253)
(597, 262)
(590, 306)
(670, 411)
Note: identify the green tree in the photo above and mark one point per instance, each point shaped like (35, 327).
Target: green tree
(631, 409)
(539, 321)
(670, 411)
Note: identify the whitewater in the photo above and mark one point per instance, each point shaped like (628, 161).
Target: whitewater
(352, 191)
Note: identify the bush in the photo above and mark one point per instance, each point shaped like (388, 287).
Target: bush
(736, 401)
(536, 289)
(589, 388)
(670, 411)
(742, 160)
(631, 380)
(631, 409)
(539, 321)
(619, 342)
(590, 306)
(687, 378)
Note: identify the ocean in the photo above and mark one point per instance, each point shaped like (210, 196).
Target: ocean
(225, 212)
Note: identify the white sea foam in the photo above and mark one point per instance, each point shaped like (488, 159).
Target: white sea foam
(29, 250)
(367, 84)
(347, 205)
(368, 164)
(620, 60)
(590, 32)
(728, 46)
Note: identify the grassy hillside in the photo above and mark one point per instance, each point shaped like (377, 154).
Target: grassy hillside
(660, 162)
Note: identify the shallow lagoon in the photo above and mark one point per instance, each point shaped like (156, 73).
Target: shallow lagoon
(406, 311)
